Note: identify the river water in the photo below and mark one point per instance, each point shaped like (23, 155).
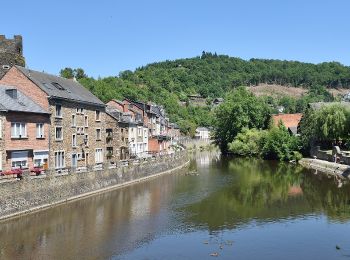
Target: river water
(225, 208)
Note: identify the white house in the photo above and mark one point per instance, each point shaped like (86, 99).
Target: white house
(202, 133)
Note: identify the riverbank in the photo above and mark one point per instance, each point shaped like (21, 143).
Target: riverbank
(32, 194)
(336, 169)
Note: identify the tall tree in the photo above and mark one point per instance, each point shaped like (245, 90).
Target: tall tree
(241, 109)
(67, 73)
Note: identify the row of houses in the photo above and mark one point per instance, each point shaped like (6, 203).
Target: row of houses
(51, 122)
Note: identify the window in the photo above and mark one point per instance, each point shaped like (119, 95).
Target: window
(139, 131)
(74, 160)
(5, 67)
(19, 164)
(41, 159)
(98, 155)
(86, 159)
(0, 130)
(18, 130)
(97, 115)
(74, 140)
(59, 160)
(59, 134)
(58, 111)
(57, 85)
(86, 140)
(80, 110)
(74, 121)
(19, 159)
(98, 134)
(39, 130)
(110, 150)
(80, 130)
(86, 121)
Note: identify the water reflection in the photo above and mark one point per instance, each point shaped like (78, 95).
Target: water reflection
(268, 191)
(224, 195)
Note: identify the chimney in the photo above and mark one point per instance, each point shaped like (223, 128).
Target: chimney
(12, 93)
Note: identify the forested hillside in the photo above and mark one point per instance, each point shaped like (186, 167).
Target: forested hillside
(212, 75)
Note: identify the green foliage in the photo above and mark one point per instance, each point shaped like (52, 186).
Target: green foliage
(247, 143)
(297, 156)
(241, 109)
(278, 144)
(67, 73)
(331, 122)
(211, 75)
(70, 73)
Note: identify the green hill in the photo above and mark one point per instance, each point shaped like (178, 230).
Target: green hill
(210, 75)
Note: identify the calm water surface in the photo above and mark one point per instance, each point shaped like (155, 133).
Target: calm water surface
(232, 208)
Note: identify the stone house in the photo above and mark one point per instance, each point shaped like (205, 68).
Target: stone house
(134, 118)
(77, 130)
(24, 131)
(116, 136)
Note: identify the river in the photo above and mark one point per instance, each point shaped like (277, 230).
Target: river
(225, 208)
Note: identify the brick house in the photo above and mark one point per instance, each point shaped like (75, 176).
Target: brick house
(77, 130)
(24, 131)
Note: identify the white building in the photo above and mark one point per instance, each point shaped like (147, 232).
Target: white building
(202, 133)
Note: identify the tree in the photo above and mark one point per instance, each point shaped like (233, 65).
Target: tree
(79, 73)
(241, 109)
(247, 143)
(67, 73)
(278, 144)
(322, 126)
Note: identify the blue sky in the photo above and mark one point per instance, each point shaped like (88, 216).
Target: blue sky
(105, 37)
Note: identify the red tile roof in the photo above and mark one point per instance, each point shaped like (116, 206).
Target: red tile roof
(289, 120)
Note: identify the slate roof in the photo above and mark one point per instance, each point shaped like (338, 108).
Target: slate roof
(62, 88)
(202, 129)
(319, 105)
(20, 104)
(113, 112)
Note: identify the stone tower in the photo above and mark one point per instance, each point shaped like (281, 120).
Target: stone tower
(11, 53)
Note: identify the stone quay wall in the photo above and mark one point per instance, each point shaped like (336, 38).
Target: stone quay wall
(330, 168)
(32, 193)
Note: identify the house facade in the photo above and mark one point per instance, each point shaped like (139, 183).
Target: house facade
(24, 131)
(202, 133)
(77, 133)
(116, 136)
(137, 131)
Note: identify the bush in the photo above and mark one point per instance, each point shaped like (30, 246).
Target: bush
(297, 156)
(278, 144)
(247, 143)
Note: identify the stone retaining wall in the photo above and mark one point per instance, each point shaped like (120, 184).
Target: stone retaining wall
(37, 192)
(335, 169)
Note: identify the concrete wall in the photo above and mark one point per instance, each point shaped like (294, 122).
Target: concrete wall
(35, 192)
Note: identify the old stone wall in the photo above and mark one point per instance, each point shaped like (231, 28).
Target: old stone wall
(11, 53)
(113, 139)
(85, 127)
(35, 192)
